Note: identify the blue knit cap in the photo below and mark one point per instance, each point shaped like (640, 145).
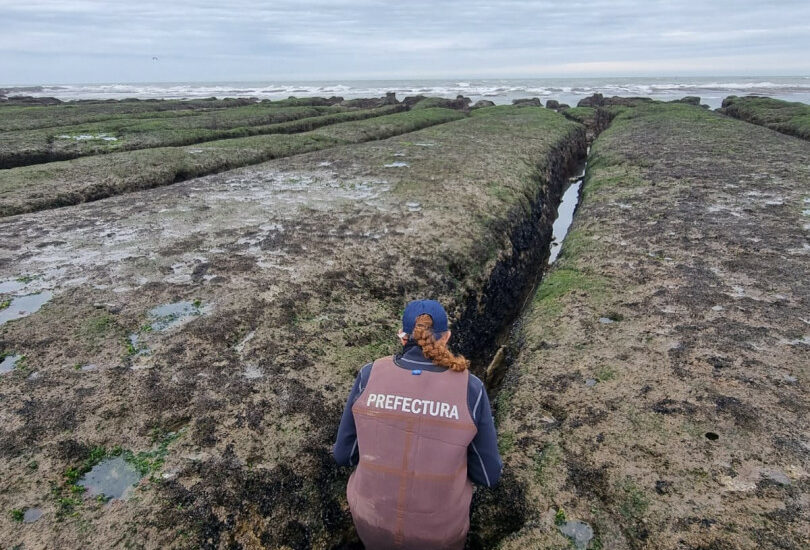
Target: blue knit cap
(418, 307)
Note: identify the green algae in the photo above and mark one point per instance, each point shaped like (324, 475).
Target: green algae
(68, 494)
(336, 313)
(97, 325)
(112, 470)
(582, 115)
(151, 461)
(560, 282)
(57, 184)
(133, 346)
(650, 234)
(792, 118)
(14, 117)
(66, 142)
(611, 176)
(506, 441)
(633, 504)
(390, 125)
(545, 461)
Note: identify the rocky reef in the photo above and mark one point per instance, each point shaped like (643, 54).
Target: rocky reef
(792, 118)
(92, 177)
(597, 100)
(208, 331)
(189, 336)
(656, 388)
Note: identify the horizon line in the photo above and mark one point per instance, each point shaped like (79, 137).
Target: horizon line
(435, 79)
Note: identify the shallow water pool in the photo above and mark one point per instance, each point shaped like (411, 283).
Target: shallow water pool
(23, 306)
(579, 532)
(169, 316)
(8, 363)
(112, 477)
(565, 216)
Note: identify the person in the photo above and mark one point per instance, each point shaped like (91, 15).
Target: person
(419, 429)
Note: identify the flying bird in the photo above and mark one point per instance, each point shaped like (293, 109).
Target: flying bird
(154, 58)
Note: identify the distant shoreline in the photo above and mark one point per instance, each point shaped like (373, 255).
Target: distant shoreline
(712, 90)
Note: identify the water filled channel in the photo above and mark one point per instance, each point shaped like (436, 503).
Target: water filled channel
(565, 215)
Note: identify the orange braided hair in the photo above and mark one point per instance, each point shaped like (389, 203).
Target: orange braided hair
(433, 349)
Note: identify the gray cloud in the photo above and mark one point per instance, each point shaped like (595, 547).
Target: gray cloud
(102, 41)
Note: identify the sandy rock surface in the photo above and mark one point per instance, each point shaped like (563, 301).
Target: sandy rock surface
(658, 385)
(209, 331)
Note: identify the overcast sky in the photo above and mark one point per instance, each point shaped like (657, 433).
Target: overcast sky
(86, 41)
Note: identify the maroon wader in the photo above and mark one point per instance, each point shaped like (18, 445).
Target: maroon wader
(410, 489)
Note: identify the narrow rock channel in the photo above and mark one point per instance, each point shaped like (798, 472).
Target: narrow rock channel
(488, 318)
(566, 207)
(498, 513)
(666, 343)
(312, 255)
(565, 214)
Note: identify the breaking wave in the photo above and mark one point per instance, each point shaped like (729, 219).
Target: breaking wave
(497, 90)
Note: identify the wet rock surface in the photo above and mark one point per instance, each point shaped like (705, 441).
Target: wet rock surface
(9, 362)
(579, 532)
(23, 306)
(461, 103)
(689, 100)
(597, 100)
(54, 143)
(87, 111)
(371, 102)
(693, 239)
(595, 119)
(56, 184)
(298, 269)
(482, 103)
(531, 102)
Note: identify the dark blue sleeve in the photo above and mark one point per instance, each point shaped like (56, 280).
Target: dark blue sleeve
(483, 460)
(345, 449)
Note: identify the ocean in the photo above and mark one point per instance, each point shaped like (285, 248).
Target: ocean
(711, 90)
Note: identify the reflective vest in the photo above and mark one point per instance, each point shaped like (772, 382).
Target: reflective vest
(410, 489)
